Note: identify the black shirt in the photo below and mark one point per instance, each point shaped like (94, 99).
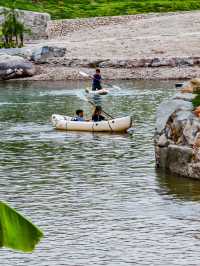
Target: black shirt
(98, 118)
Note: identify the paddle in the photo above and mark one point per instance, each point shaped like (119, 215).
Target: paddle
(108, 115)
(107, 84)
(83, 97)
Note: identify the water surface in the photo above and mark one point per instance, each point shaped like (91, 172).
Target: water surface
(97, 197)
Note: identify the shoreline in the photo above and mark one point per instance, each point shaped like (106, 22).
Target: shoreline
(59, 73)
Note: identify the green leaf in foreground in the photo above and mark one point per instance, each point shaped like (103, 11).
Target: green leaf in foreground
(196, 101)
(16, 232)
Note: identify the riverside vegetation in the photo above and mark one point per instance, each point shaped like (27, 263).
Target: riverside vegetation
(91, 8)
(12, 29)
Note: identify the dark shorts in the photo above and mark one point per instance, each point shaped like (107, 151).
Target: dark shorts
(96, 87)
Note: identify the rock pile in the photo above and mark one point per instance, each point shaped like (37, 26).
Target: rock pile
(177, 135)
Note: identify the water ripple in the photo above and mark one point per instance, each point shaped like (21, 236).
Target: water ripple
(97, 197)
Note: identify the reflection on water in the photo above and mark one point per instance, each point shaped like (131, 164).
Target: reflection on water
(97, 197)
(178, 187)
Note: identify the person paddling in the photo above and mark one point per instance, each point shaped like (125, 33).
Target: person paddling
(97, 117)
(96, 84)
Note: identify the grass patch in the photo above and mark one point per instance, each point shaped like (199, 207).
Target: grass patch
(90, 8)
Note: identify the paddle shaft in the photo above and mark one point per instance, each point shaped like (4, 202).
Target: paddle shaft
(108, 115)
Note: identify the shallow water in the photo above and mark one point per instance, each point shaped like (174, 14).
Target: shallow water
(97, 197)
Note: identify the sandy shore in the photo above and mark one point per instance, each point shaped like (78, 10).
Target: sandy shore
(162, 36)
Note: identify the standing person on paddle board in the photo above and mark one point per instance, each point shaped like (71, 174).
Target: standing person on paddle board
(96, 84)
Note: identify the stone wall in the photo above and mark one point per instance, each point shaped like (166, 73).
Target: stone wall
(35, 21)
(58, 28)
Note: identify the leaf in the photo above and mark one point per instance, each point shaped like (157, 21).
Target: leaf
(16, 232)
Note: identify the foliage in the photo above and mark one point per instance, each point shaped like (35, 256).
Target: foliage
(91, 8)
(16, 232)
(196, 101)
(12, 30)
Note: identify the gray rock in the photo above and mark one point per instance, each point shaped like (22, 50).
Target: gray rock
(187, 61)
(177, 159)
(191, 129)
(177, 139)
(184, 115)
(161, 157)
(166, 109)
(42, 54)
(184, 96)
(23, 52)
(14, 67)
(159, 62)
(163, 141)
(194, 170)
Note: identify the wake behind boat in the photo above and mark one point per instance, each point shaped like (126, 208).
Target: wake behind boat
(113, 125)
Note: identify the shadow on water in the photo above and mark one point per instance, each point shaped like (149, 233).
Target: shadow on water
(178, 187)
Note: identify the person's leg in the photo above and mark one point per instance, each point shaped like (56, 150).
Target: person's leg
(99, 87)
(94, 88)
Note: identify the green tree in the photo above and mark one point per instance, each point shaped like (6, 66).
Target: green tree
(13, 29)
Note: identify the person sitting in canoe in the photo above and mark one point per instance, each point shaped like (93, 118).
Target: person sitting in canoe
(96, 84)
(97, 117)
(79, 116)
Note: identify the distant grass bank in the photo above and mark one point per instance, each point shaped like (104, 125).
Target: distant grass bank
(92, 8)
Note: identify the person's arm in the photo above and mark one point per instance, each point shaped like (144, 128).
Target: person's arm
(97, 77)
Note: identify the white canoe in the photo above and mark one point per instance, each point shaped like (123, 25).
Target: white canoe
(114, 125)
(97, 92)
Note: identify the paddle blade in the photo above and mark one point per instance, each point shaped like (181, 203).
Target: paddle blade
(116, 87)
(83, 74)
(16, 232)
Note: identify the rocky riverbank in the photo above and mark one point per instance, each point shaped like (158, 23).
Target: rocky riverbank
(177, 135)
(50, 63)
(153, 46)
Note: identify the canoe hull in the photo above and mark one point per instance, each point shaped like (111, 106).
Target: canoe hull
(114, 125)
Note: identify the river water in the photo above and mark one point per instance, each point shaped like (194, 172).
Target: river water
(97, 197)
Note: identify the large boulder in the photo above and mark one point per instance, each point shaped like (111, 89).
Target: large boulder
(22, 52)
(167, 108)
(42, 54)
(177, 136)
(38, 54)
(15, 67)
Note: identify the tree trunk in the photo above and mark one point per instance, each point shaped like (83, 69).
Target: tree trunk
(22, 40)
(16, 39)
